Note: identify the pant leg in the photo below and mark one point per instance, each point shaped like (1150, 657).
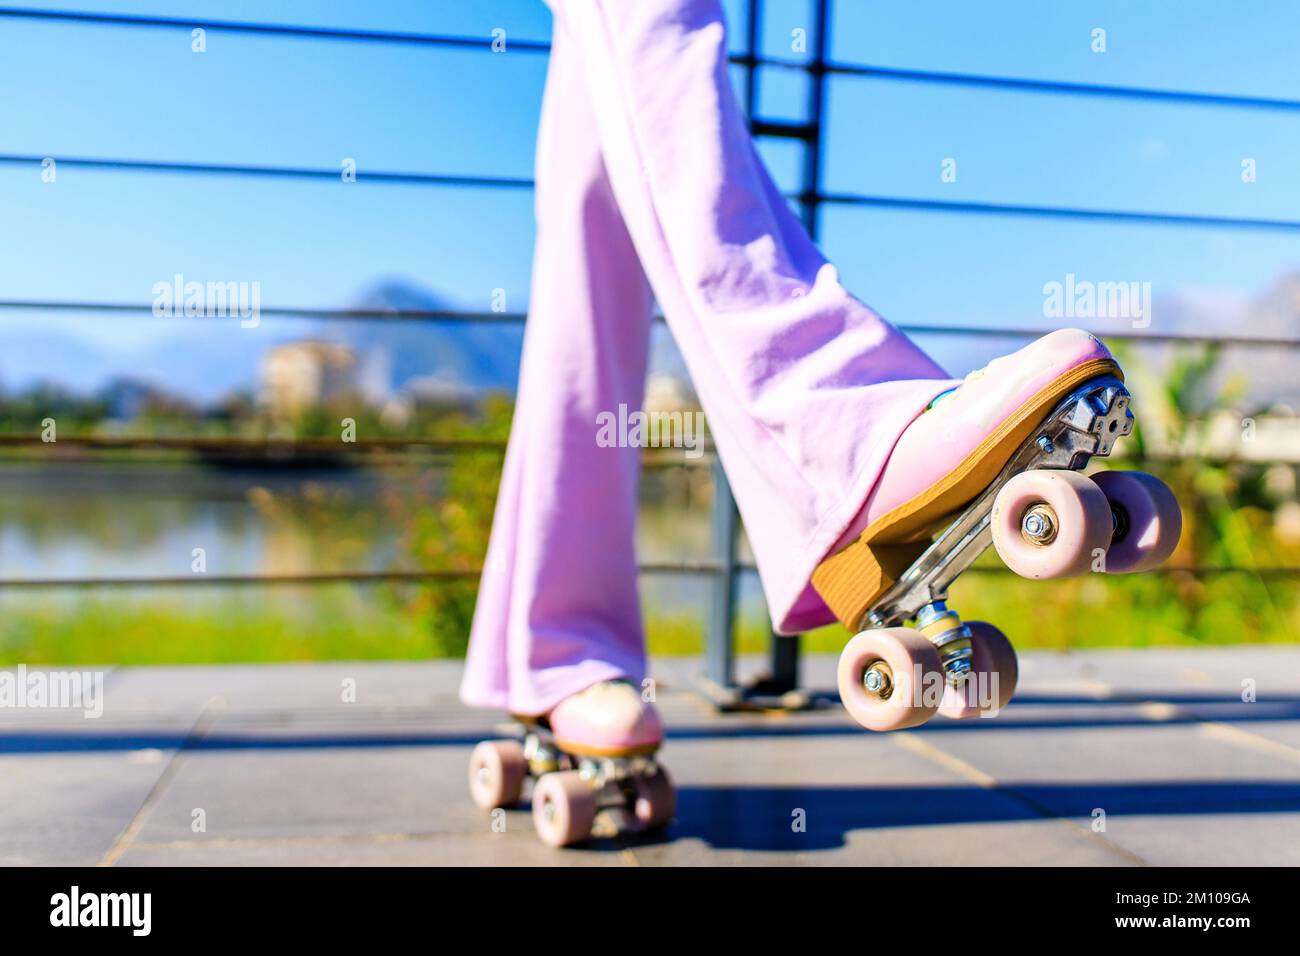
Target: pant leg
(558, 608)
(805, 388)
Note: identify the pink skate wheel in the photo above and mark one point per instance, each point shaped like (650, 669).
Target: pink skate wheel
(656, 800)
(890, 678)
(992, 679)
(1050, 523)
(1148, 521)
(564, 808)
(496, 773)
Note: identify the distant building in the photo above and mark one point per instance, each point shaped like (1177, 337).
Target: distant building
(297, 376)
(668, 393)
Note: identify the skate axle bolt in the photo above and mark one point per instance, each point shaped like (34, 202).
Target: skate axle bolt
(1046, 445)
(1038, 526)
(877, 679)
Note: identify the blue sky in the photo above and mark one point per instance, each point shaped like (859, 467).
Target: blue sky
(111, 92)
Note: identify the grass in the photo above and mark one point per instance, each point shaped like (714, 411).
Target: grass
(342, 623)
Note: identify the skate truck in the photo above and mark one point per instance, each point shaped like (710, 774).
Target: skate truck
(1045, 519)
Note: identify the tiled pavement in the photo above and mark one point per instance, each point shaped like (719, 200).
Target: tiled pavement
(280, 770)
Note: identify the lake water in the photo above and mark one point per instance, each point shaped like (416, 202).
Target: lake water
(134, 518)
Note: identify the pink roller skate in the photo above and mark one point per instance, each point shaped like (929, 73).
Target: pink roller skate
(996, 460)
(593, 762)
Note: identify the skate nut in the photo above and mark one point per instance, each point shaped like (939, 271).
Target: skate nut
(1039, 525)
(876, 679)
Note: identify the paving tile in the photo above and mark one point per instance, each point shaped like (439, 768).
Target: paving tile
(327, 790)
(284, 686)
(289, 773)
(68, 809)
(1140, 776)
(513, 848)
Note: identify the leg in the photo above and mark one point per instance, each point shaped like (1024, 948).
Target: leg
(806, 389)
(558, 608)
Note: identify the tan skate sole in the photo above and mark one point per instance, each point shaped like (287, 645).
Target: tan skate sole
(585, 750)
(588, 750)
(853, 578)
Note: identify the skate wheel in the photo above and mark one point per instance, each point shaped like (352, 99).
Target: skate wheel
(1050, 523)
(1147, 520)
(564, 808)
(655, 800)
(992, 658)
(890, 679)
(496, 773)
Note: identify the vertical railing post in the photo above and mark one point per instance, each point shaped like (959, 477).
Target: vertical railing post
(719, 653)
(720, 636)
(719, 648)
(784, 667)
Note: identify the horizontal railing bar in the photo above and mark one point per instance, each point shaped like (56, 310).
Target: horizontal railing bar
(512, 182)
(841, 68)
(456, 315)
(280, 172)
(1059, 212)
(1060, 87)
(272, 29)
(655, 458)
(310, 579)
(680, 568)
(235, 448)
(236, 443)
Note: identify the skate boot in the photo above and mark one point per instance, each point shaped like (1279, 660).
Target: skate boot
(593, 762)
(996, 460)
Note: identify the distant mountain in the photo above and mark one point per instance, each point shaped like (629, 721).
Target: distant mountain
(199, 359)
(470, 355)
(30, 355)
(205, 360)
(1267, 374)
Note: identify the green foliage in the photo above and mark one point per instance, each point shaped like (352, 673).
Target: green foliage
(180, 627)
(1236, 513)
(447, 518)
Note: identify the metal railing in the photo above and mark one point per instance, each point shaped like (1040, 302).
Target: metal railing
(723, 567)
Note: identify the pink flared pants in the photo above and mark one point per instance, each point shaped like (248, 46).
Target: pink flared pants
(649, 187)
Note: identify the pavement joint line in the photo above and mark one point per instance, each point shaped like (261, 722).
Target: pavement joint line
(1230, 734)
(981, 779)
(1227, 733)
(127, 836)
(942, 757)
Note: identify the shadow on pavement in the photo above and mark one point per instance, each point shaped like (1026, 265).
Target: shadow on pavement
(762, 818)
(1111, 712)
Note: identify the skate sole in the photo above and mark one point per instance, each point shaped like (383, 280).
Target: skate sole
(854, 578)
(589, 750)
(584, 750)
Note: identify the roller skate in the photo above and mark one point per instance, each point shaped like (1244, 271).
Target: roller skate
(997, 460)
(592, 763)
